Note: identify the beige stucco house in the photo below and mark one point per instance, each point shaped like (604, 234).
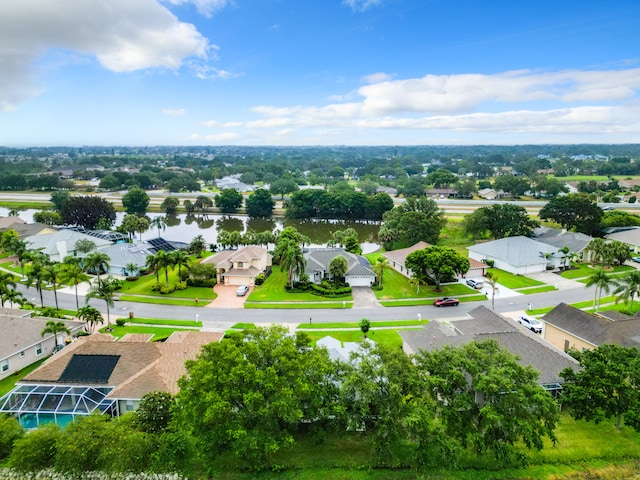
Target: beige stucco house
(242, 266)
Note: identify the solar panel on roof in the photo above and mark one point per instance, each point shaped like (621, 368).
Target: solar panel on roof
(89, 368)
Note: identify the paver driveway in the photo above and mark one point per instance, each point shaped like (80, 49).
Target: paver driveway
(227, 297)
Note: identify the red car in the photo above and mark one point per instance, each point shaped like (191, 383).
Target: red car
(446, 302)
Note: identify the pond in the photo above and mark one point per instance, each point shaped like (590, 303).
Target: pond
(184, 228)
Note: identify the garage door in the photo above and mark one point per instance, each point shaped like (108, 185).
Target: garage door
(360, 281)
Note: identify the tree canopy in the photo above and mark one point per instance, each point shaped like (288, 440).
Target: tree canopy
(437, 264)
(413, 221)
(228, 200)
(135, 201)
(573, 211)
(260, 204)
(88, 212)
(500, 220)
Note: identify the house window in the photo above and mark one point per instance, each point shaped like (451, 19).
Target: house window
(128, 405)
(566, 345)
(22, 354)
(240, 265)
(5, 365)
(38, 349)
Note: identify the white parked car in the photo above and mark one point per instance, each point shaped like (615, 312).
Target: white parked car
(242, 290)
(475, 283)
(531, 323)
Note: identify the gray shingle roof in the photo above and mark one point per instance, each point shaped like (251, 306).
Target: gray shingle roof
(595, 329)
(517, 251)
(485, 324)
(320, 259)
(559, 238)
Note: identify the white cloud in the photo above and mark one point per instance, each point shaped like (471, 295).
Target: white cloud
(583, 103)
(204, 7)
(174, 112)
(123, 35)
(377, 77)
(361, 5)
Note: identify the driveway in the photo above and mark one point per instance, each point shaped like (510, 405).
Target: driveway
(227, 297)
(363, 297)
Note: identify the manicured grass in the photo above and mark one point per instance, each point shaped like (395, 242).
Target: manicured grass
(159, 333)
(584, 304)
(581, 270)
(390, 338)
(143, 285)
(244, 326)
(13, 267)
(272, 290)
(160, 321)
(512, 281)
(26, 205)
(399, 323)
(530, 291)
(161, 301)
(298, 305)
(7, 384)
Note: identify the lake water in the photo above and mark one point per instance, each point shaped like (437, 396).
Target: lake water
(184, 228)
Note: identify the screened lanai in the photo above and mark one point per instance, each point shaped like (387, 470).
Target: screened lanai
(36, 404)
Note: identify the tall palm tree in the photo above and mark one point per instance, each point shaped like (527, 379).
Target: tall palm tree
(293, 262)
(12, 296)
(338, 268)
(104, 289)
(180, 259)
(601, 280)
(566, 256)
(379, 267)
(492, 281)
(628, 286)
(142, 225)
(91, 316)
(152, 264)
(131, 268)
(96, 262)
(36, 275)
(163, 260)
(7, 284)
(160, 223)
(55, 328)
(71, 272)
(51, 274)
(597, 247)
(19, 248)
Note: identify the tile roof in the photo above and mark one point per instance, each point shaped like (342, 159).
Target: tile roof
(485, 324)
(595, 329)
(517, 251)
(226, 258)
(143, 367)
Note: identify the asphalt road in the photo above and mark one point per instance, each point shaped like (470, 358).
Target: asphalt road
(215, 318)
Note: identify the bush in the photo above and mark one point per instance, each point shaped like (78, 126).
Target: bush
(201, 282)
(329, 292)
(132, 278)
(36, 450)
(167, 289)
(632, 199)
(260, 279)
(157, 287)
(10, 431)
(120, 322)
(181, 286)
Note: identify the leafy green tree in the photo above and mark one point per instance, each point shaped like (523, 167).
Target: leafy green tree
(36, 451)
(198, 245)
(503, 220)
(88, 212)
(437, 264)
(260, 204)
(365, 326)
(228, 200)
(248, 397)
(135, 201)
(338, 268)
(573, 211)
(441, 178)
(189, 206)
(511, 184)
(476, 224)
(170, 205)
(606, 386)
(283, 187)
(84, 245)
(601, 281)
(10, 431)
(96, 262)
(486, 399)
(154, 413)
(59, 198)
(55, 328)
(203, 204)
(47, 217)
(159, 223)
(411, 222)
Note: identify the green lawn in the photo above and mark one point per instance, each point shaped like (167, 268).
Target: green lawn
(582, 270)
(391, 338)
(160, 321)
(272, 290)
(399, 323)
(143, 285)
(165, 300)
(512, 281)
(530, 291)
(298, 305)
(159, 333)
(7, 384)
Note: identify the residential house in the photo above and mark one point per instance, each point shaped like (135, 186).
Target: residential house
(484, 324)
(123, 254)
(8, 222)
(340, 351)
(359, 272)
(97, 374)
(61, 243)
(22, 342)
(242, 266)
(568, 327)
(629, 236)
(518, 255)
(575, 241)
(442, 192)
(491, 194)
(397, 258)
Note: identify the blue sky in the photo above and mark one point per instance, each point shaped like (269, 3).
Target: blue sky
(318, 72)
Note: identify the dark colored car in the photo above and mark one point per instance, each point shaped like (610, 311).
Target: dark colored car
(446, 302)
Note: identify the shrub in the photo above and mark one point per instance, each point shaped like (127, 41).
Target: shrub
(201, 282)
(167, 289)
(181, 286)
(632, 199)
(330, 292)
(157, 287)
(10, 431)
(36, 450)
(260, 279)
(132, 278)
(120, 322)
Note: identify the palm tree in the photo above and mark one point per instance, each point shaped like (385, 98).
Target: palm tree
(96, 262)
(104, 290)
(601, 280)
(566, 256)
(55, 328)
(152, 264)
(293, 262)
(51, 274)
(163, 260)
(628, 286)
(597, 247)
(91, 316)
(36, 275)
(379, 267)
(492, 280)
(19, 248)
(338, 268)
(180, 259)
(142, 225)
(13, 296)
(71, 272)
(158, 222)
(198, 245)
(131, 268)
(6, 281)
